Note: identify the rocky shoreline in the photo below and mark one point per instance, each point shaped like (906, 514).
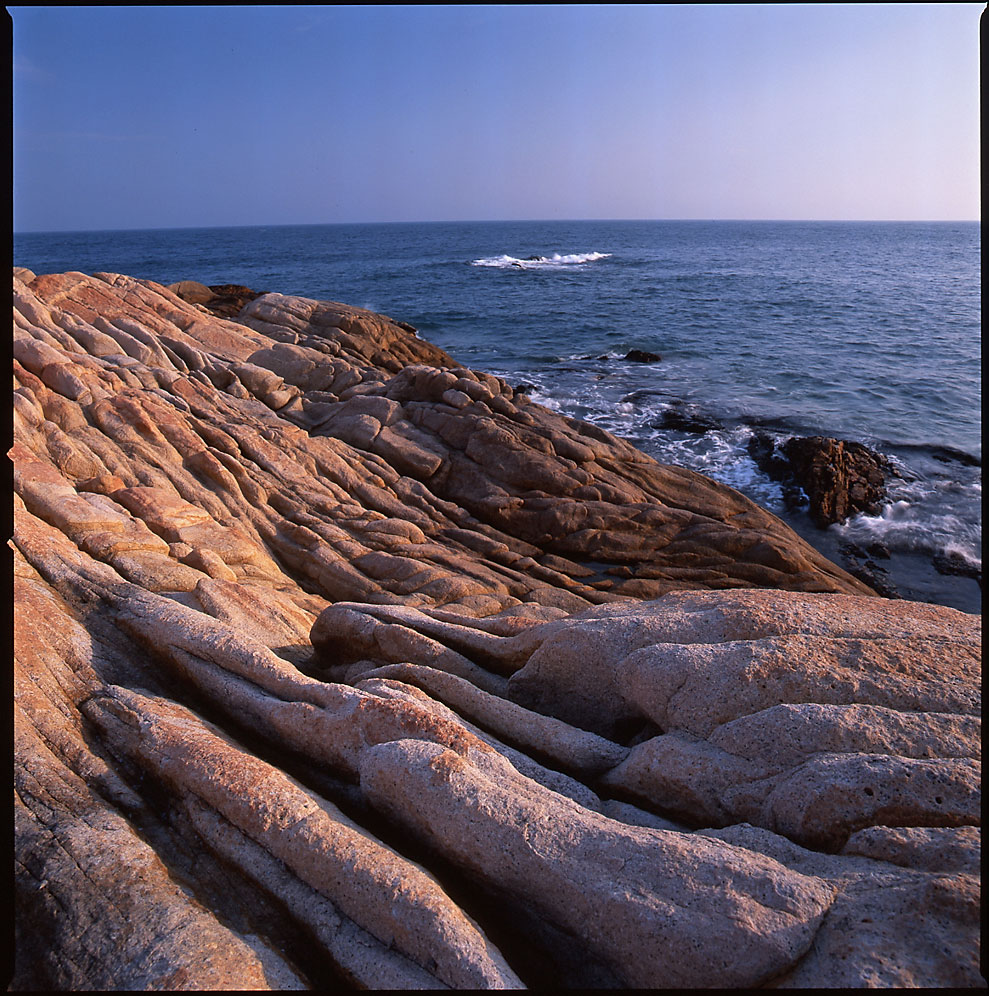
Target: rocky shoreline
(338, 663)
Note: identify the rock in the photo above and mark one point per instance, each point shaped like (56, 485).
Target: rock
(228, 299)
(948, 454)
(642, 356)
(927, 848)
(954, 563)
(686, 418)
(89, 888)
(858, 562)
(571, 749)
(193, 292)
(840, 478)
(762, 448)
(576, 666)
(390, 898)
(617, 885)
(728, 751)
(336, 662)
(888, 926)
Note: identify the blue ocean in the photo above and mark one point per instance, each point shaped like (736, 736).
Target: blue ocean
(863, 331)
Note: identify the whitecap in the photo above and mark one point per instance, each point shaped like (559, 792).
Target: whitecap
(504, 262)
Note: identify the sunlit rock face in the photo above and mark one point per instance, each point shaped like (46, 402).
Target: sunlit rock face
(338, 663)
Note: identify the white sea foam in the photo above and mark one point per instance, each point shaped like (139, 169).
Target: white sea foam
(721, 455)
(540, 262)
(926, 525)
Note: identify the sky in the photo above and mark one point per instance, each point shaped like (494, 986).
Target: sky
(161, 117)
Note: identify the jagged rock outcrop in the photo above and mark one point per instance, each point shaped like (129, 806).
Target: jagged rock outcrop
(338, 663)
(839, 477)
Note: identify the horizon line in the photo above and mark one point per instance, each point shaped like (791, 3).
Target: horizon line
(512, 221)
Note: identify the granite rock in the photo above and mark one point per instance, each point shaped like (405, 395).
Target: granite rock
(336, 662)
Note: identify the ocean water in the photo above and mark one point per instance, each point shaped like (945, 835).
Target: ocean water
(863, 331)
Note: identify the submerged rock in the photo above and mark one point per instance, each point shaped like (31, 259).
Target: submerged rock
(955, 563)
(642, 356)
(860, 563)
(338, 663)
(687, 418)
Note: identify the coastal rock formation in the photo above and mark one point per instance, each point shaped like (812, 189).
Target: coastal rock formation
(685, 417)
(338, 663)
(839, 477)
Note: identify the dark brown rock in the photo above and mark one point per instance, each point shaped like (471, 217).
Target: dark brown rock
(841, 478)
(228, 299)
(954, 563)
(686, 418)
(642, 356)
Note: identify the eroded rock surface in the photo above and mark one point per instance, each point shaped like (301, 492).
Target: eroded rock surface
(338, 663)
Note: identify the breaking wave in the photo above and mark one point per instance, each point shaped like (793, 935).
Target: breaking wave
(540, 262)
(922, 517)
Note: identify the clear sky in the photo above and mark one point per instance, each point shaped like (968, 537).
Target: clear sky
(157, 117)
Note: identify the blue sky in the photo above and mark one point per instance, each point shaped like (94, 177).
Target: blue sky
(155, 117)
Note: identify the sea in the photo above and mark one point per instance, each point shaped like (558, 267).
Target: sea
(862, 331)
